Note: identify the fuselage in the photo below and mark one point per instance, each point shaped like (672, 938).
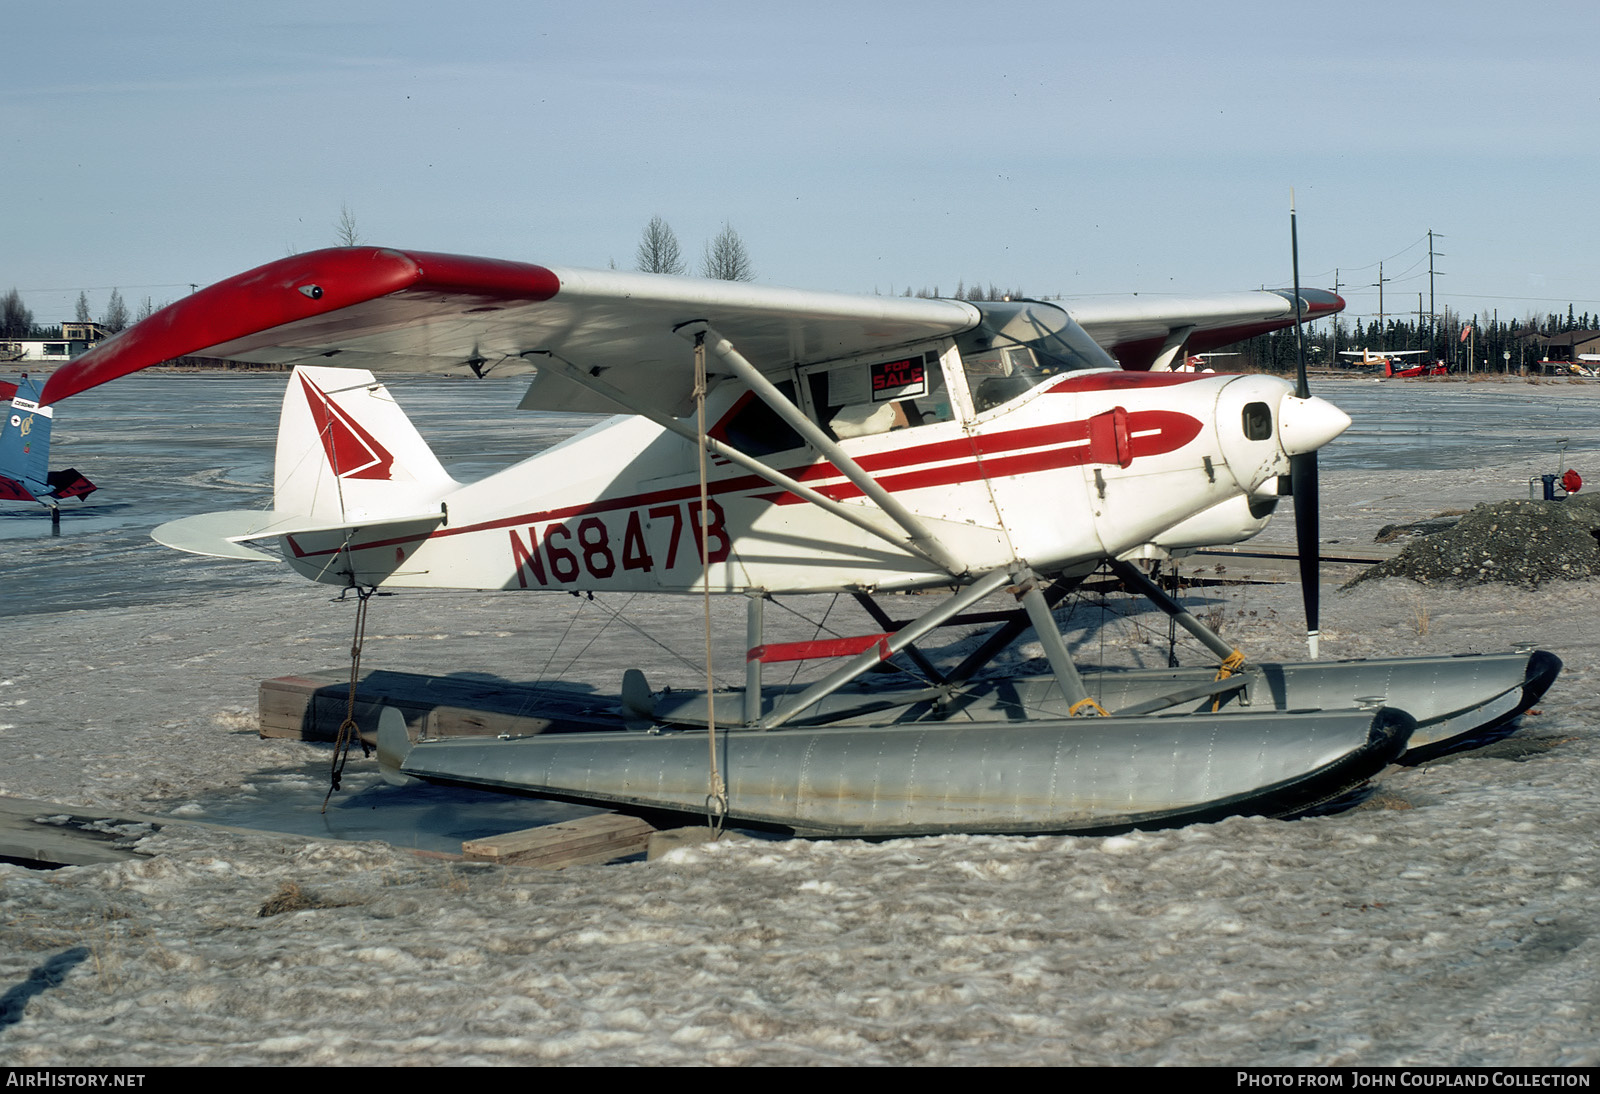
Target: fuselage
(1002, 457)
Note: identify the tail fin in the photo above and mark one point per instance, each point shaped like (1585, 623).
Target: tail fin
(348, 458)
(25, 473)
(347, 452)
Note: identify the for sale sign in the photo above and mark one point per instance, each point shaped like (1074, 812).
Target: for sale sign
(899, 379)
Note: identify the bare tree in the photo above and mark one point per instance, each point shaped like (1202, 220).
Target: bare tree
(16, 321)
(82, 314)
(726, 259)
(658, 250)
(116, 314)
(345, 233)
(146, 309)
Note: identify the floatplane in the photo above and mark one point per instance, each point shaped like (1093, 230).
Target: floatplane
(770, 441)
(1200, 362)
(1391, 363)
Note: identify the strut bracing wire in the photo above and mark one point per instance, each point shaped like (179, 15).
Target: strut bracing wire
(717, 791)
(349, 733)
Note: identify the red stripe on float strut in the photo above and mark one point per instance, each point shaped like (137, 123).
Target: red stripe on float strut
(774, 652)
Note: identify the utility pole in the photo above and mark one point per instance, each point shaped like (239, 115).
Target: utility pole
(1433, 316)
(1334, 319)
(1381, 280)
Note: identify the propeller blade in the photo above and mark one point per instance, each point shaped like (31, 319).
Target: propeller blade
(1303, 469)
(1307, 536)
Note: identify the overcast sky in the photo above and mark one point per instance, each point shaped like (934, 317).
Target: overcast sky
(1055, 148)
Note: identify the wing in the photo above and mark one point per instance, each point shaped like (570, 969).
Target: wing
(1139, 330)
(388, 310)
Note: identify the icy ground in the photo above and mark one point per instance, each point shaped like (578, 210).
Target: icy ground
(1452, 919)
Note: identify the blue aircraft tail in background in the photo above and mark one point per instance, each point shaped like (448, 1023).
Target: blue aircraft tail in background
(25, 473)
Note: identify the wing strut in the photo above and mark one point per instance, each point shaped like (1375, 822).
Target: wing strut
(1172, 348)
(852, 514)
(922, 538)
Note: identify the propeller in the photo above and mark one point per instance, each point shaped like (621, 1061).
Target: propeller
(1303, 469)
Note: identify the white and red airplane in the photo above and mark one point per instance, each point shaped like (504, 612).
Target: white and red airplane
(1200, 362)
(1385, 361)
(776, 441)
(858, 442)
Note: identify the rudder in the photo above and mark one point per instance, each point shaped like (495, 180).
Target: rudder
(25, 445)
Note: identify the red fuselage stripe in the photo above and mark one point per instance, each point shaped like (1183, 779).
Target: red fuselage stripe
(1155, 432)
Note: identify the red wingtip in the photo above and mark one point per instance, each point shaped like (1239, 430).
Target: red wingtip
(291, 289)
(297, 287)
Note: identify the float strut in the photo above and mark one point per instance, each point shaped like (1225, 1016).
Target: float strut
(1136, 579)
(754, 610)
(888, 647)
(1007, 633)
(881, 618)
(1055, 647)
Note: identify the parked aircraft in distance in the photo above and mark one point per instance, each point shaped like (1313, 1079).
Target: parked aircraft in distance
(25, 473)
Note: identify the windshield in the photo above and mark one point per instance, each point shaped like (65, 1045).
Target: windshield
(1018, 345)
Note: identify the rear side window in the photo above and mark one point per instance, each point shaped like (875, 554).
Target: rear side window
(755, 428)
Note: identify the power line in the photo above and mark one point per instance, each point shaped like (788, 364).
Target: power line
(119, 288)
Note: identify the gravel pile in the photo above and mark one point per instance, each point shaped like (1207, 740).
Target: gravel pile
(1509, 542)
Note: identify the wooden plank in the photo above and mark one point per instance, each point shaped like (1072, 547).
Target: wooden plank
(311, 706)
(40, 833)
(53, 834)
(45, 833)
(595, 839)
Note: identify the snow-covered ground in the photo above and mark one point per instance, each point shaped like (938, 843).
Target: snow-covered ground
(1452, 919)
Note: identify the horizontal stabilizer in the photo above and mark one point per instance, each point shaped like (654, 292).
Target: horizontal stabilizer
(67, 483)
(12, 490)
(229, 533)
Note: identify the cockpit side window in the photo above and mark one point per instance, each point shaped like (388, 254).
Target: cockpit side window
(1019, 345)
(876, 396)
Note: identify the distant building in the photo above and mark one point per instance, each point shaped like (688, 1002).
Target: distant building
(83, 332)
(1566, 347)
(71, 340)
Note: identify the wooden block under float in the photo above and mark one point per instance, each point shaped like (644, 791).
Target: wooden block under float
(587, 840)
(311, 706)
